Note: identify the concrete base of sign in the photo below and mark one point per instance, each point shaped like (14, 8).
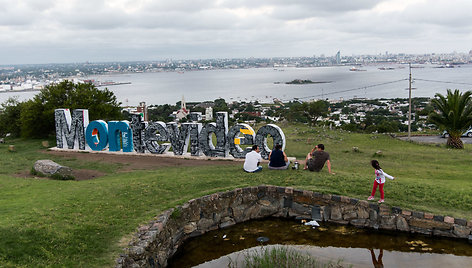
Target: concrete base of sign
(165, 155)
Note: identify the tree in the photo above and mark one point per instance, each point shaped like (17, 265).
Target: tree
(162, 112)
(307, 112)
(10, 117)
(454, 116)
(37, 115)
(220, 106)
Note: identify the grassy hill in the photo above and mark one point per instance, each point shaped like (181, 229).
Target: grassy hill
(87, 223)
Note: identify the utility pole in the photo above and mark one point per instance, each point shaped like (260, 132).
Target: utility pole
(409, 106)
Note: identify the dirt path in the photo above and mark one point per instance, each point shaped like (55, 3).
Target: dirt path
(134, 162)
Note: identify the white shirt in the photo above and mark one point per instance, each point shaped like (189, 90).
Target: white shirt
(380, 176)
(250, 163)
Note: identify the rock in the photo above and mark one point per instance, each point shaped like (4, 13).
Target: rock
(52, 169)
(362, 213)
(336, 213)
(419, 230)
(428, 224)
(373, 215)
(189, 228)
(461, 231)
(448, 219)
(358, 222)
(45, 144)
(349, 216)
(300, 209)
(205, 224)
(227, 223)
(416, 214)
(388, 222)
(265, 203)
(402, 224)
(460, 222)
(136, 251)
(439, 232)
(396, 210)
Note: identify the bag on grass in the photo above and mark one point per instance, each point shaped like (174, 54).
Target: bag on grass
(311, 164)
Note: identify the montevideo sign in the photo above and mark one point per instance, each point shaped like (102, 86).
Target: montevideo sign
(74, 131)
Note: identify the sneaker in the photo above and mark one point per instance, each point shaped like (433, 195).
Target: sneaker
(381, 201)
(370, 198)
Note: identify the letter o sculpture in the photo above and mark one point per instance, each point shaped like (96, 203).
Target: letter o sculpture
(261, 138)
(95, 143)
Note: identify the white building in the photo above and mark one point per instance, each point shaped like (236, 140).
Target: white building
(209, 114)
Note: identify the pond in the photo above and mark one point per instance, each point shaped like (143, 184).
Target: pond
(327, 242)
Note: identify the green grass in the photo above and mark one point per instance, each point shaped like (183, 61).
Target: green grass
(87, 223)
(283, 256)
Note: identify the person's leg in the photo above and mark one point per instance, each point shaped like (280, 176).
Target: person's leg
(308, 156)
(381, 189)
(259, 168)
(287, 164)
(372, 255)
(374, 188)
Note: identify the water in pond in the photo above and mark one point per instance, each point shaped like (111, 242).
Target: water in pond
(329, 241)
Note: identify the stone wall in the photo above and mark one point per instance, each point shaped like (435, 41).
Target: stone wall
(159, 240)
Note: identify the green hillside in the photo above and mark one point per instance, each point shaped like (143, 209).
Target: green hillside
(87, 223)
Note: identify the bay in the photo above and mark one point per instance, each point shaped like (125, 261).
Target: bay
(265, 84)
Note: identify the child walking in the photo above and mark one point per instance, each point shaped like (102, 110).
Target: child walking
(379, 180)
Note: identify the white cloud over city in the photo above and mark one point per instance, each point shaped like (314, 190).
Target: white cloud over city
(118, 30)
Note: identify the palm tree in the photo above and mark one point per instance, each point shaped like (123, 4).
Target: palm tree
(455, 115)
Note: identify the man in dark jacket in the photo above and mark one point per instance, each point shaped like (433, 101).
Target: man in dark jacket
(316, 159)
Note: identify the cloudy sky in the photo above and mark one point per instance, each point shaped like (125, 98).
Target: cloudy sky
(52, 31)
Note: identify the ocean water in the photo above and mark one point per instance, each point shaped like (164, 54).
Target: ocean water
(265, 84)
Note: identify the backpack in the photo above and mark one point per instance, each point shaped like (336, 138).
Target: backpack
(311, 164)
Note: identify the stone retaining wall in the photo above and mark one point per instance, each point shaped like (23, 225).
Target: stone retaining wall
(159, 240)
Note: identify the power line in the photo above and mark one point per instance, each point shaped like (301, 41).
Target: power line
(444, 82)
(348, 90)
(375, 85)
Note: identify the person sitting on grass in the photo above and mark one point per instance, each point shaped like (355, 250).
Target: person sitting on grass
(278, 159)
(252, 160)
(316, 159)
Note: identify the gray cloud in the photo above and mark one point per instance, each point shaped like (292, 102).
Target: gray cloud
(79, 30)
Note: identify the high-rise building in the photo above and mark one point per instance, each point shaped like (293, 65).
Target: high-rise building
(338, 57)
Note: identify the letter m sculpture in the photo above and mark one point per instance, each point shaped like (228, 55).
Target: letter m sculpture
(71, 128)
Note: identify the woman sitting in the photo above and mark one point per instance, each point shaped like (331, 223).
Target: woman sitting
(278, 159)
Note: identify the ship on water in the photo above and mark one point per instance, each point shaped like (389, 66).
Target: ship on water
(355, 69)
(98, 83)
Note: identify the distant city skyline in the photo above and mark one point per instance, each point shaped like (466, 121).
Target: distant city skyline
(67, 31)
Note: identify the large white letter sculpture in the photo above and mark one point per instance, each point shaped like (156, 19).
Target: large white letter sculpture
(158, 137)
(71, 128)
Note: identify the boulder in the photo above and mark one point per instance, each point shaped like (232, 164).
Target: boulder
(52, 169)
(45, 144)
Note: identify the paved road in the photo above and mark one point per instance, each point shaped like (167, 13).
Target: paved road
(434, 139)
